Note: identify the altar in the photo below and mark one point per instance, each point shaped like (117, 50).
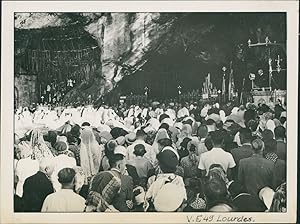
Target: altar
(266, 96)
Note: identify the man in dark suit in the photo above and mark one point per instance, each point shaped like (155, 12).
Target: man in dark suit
(243, 151)
(256, 172)
(37, 187)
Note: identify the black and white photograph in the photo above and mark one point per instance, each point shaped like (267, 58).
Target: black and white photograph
(152, 112)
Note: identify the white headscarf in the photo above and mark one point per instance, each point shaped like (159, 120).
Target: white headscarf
(90, 153)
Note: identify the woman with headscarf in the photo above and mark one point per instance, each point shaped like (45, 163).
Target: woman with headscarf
(279, 199)
(25, 166)
(160, 135)
(90, 153)
(38, 145)
(160, 195)
(186, 131)
(80, 188)
(190, 162)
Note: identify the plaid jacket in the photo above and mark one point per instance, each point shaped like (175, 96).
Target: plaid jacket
(104, 187)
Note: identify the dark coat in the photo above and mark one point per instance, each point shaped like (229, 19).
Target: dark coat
(126, 194)
(35, 189)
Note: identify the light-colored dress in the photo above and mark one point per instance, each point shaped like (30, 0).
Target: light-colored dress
(90, 153)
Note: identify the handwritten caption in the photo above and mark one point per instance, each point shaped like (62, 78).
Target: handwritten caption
(219, 218)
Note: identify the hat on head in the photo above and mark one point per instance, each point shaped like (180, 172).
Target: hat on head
(120, 150)
(174, 132)
(234, 110)
(178, 125)
(149, 129)
(162, 134)
(236, 119)
(214, 117)
(121, 140)
(131, 137)
(110, 123)
(152, 114)
(106, 135)
(162, 117)
(168, 121)
(283, 114)
(154, 123)
(266, 195)
(62, 139)
(103, 128)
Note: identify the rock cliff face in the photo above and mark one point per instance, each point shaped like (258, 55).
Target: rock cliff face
(127, 41)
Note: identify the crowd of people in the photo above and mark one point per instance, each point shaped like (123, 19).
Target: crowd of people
(174, 157)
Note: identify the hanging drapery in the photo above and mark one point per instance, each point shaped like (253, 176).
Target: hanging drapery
(55, 59)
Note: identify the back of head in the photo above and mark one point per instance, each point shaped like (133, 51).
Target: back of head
(185, 142)
(257, 145)
(66, 175)
(252, 125)
(215, 190)
(73, 139)
(60, 147)
(217, 137)
(75, 130)
(46, 166)
(208, 143)
(168, 161)
(270, 146)
(245, 135)
(84, 124)
(139, 150)
(141, 134)
(114, 159)
(165, 142)
(210, 122)
(279, 132)
(202, 131)
(51, 137)
(267, 135)
(219, 125)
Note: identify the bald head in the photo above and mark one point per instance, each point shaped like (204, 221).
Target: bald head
(258, 146)
(47, 166)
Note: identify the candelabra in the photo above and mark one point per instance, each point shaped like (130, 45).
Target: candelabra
(278, 69)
